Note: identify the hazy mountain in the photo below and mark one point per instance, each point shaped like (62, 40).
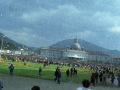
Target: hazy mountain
(87, 46)
(16, 44)
(67, 43)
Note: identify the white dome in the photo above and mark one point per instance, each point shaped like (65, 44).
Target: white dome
(76, 46)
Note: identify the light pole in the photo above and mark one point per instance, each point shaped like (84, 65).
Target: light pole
(1, 45)
(111, 63)
(2, 41)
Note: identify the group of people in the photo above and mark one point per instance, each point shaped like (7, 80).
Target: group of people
(71, 73)
(102, 76)
(85, 82)
(99, 76)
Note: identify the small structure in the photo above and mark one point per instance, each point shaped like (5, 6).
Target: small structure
(116, 60)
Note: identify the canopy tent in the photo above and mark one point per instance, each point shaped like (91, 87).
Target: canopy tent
(73, 56)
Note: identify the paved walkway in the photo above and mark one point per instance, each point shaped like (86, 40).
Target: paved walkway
(26, 83)
(115, 81)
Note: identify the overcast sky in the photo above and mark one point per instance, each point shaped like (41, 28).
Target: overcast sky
(44, 22)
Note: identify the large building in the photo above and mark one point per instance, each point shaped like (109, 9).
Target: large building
(73, 52)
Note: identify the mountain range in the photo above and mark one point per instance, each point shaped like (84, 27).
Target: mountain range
(7, 40)
(67, 43)
(12, 44)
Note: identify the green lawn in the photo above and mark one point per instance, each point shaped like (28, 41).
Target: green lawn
(31, 70)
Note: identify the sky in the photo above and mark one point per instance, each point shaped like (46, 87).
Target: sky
(38, 23)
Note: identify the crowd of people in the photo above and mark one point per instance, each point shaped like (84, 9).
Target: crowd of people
(101, 73)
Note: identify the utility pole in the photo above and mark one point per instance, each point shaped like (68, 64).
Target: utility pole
(1, 45)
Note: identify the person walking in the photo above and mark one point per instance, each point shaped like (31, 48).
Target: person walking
(93, 79)
(85, 84)
(118, 79)
(112, 79)
(1, 86)
(11, 67)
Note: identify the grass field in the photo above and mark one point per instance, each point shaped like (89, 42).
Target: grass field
(31, 70)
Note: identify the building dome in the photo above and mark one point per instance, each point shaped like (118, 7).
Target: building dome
(76, 45)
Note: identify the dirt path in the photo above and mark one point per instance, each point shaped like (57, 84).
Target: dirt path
(25, 83)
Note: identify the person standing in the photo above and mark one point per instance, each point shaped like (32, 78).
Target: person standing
(58, 76)
(96, 77)
(1, 84)
(85, 84)
(24, 62)
(40, 71)
(11, 67)
(74, 72)
(104, 77)
(67, 74)
(71, 72)
(100, 76)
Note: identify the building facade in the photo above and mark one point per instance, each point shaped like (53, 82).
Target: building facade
(74, 52)
(98, 56)
(69, 53)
